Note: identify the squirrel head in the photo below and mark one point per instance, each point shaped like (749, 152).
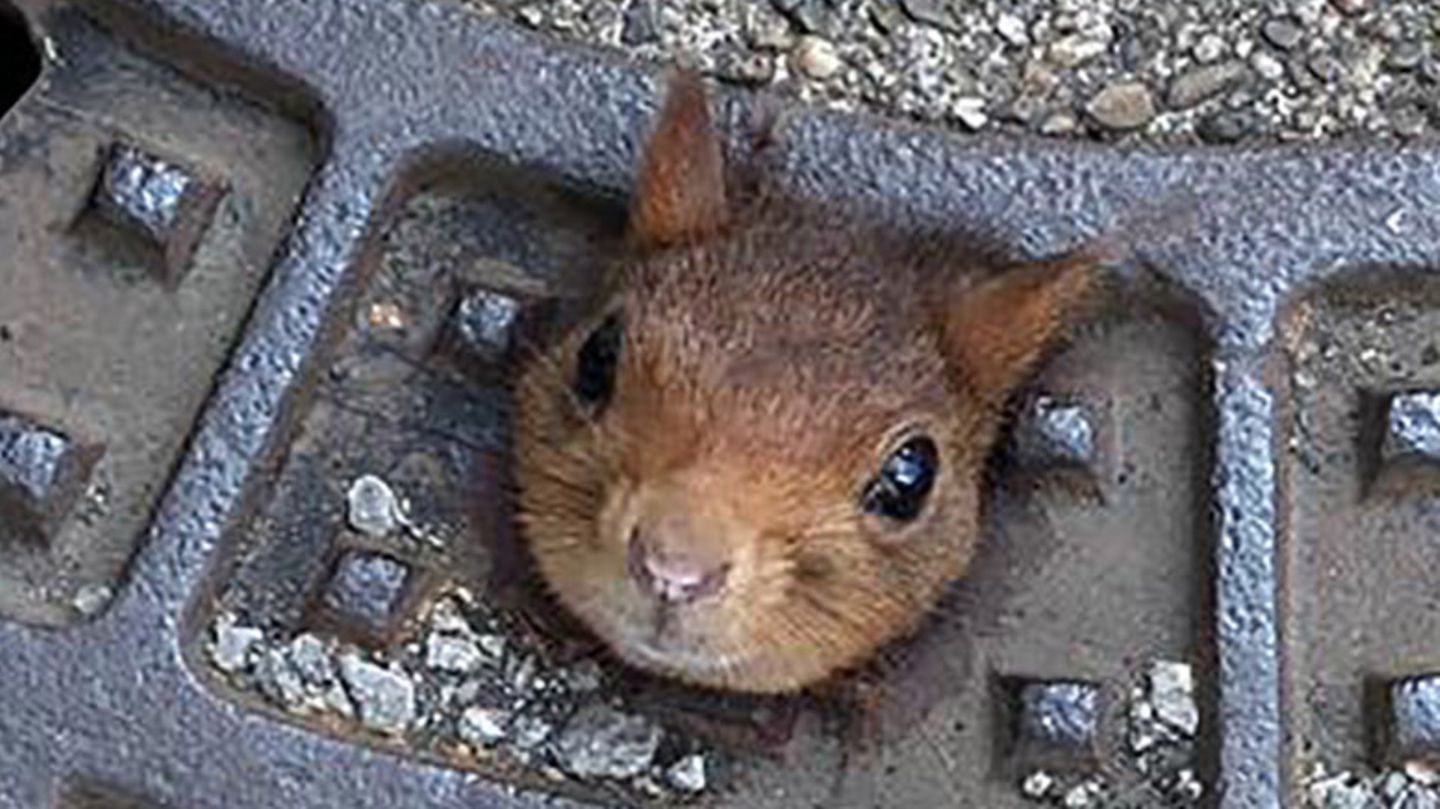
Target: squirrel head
(759, 459)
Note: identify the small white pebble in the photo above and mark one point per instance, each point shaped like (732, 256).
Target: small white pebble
(1187, 786)
(232, 645)
(970, 110)
(384, 697)
(1172, 690)
(1267, 66)
(373, 508)
(1422, 773)
(1081, 796)
(1308, 11)
(1339, 791)
(1395, 222)
(1061, 123)
(386, 315)
(483, 727)
(817, 58)
(449, 653)
(583, 677)
(1210, 48)
(493, 645)
(1140, 742)
(91, 598)
(337, 701)
(1012, 29)
(688, 774)
(1037, 784)
(446, 616)
(1074, 50)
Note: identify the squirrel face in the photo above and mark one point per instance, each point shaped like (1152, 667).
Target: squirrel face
(759, 461)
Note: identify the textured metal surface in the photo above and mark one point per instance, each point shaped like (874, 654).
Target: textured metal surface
(1059, 719)
(143, 189)
(1413, 426)
(117, 702)
(32, 465)
(164, 207)
(1415, 719)
(365, 591)
(485, 320)
(1056, 433)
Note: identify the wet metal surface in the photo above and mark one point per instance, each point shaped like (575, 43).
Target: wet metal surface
(1212, 465)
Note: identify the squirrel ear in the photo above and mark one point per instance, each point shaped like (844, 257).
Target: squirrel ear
(998, 330)
(680, 194)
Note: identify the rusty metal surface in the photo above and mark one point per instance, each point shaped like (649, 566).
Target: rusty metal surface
(1229, 465)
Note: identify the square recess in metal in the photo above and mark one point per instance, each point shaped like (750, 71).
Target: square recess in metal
(252, 454)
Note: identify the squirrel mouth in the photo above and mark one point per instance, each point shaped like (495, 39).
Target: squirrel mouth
(657, 653)
(667, 642)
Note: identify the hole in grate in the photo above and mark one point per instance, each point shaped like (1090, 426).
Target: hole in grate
(19, 59)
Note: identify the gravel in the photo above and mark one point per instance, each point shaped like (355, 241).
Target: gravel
(1105, 69)
(231, 648)
(1188, 787)
(530, 732)
(1413, 786)
(1228, 126)
(1172, 692)
(1037, 785)
(1156, 767)
(1340, 792)
(384, 697)
(310, 657)
(688, 774)
(1283, 32)
(90, 599)
(492, 645)
(373, 508)
(1203, 83)
(453, 654)
(816, 57)
(970, 111)
(642, 25)
(1083, 795)
(601, 741)
(1126, 105)
(484, 727)
(1267, 66)
(477, 683)
(1012, 29)
(279, 680)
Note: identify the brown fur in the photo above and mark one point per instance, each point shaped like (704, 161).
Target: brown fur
(773, 354)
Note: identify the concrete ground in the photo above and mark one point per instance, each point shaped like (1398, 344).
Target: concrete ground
(1227, 71)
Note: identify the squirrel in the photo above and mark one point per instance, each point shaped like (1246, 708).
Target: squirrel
(760, 460)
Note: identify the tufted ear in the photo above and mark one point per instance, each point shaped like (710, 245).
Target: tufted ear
(680, 194)
(996, 331)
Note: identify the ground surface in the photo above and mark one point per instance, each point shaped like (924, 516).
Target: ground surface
(1176, 71)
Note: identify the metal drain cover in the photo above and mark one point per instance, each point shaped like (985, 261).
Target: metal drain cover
(262, 270)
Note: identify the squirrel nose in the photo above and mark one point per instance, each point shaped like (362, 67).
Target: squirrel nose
(674, 576)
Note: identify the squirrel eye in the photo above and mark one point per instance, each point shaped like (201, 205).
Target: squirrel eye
(596, 362)
(900, 490)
